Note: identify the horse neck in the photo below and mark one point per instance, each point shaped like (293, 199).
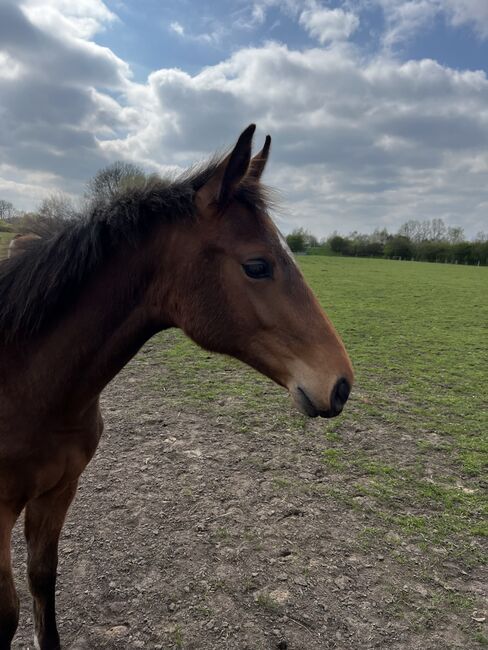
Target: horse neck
(71, 364)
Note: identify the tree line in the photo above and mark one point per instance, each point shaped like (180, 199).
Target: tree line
(101, 188)
(423, 241)
(427, 241)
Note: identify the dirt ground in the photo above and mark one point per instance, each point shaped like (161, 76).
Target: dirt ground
(185, 533)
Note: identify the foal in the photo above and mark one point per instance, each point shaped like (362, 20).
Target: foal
(199, 253)
(19, 243)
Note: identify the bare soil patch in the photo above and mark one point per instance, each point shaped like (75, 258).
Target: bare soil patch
(193, 532)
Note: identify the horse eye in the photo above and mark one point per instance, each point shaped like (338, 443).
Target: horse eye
(258, 269)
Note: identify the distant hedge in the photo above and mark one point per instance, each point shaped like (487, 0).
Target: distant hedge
(426, 241)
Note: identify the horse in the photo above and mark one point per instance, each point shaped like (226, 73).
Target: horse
(199, 252)
(19, 243)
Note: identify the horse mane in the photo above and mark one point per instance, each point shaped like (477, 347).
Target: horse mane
(45, 279)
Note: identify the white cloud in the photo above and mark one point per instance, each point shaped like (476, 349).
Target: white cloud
(468, 12)
(9, 67)
(405, 18)
(177, 28)
(83, 18)
(255, 14)
(53, 98)
(212, 37)
(329, 24)
(357, 144)
(250, 17)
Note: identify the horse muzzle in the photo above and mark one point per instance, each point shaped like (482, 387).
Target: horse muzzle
(338, 397)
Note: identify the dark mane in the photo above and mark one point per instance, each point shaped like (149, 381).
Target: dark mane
(44, 280)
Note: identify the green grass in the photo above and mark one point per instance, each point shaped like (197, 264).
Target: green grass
(5, 238)
(418, 337)
(178, 637)
(265, 601)
(417, 334)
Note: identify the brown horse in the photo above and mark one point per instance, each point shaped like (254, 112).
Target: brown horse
(199, 253)
(19, 243)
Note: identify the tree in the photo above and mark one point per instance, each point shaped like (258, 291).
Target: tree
(380, 236)
(57, 206)
(431, 250)
(463, 252)
(455, 235)
(438, 230)
(5, 227)
(110, 180)
(7, 210)
(359, 245)
(399, 246)
(480, 249)
(374, 249)
(338, 244)
(311, 241)
(424, 232)
(296, 241)
(410, 229)
(300, 240)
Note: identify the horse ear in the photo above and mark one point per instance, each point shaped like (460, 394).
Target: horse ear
(258, 163)
(220, 187)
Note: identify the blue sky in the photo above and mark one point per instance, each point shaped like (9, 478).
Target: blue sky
(378, 109)
(144, 36)
(149, 40)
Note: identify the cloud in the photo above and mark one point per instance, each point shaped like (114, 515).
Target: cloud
(405, 18)
(53, 55)
(329, 24)
(82, 19)
(357, 143)
(212, 37)
(177, 28)
(468, 12)
(54, 102)
(255, 14)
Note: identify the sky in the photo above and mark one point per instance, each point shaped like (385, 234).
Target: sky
(378, 109)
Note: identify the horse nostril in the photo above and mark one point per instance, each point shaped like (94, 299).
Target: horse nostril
(340, 394)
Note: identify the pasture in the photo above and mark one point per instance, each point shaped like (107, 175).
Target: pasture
(234, 522)
(5, 238)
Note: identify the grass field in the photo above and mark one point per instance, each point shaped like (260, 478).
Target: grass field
(417, 335)
(5, 238)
